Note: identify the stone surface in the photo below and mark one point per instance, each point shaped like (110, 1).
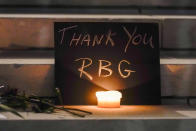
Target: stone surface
(137, 118)
(124, 112)
(179, 33)
(168, 11)
(100, 125)
(176, 80)
(162, 3)
(173, 101)
(193, 101)
(169, 3)
(32, 79)
(26, 33)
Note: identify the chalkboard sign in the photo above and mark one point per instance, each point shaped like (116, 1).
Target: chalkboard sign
(99, 56)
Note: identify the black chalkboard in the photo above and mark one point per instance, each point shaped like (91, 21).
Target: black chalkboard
(94, 56)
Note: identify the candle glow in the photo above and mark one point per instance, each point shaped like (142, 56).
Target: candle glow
(108, 99)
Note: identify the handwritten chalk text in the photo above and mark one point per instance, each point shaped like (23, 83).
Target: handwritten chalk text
(134, 38)
(104, 65)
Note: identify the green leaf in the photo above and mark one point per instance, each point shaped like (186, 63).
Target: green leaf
(59, 95)
(7, 108)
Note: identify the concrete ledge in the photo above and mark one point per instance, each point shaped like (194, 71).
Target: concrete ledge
(99, 125)
(51, 61)
(97, 16)
(137, 118)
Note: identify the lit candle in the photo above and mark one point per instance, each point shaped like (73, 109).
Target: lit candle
(108, 99)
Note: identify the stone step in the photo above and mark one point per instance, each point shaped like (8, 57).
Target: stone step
(19, 31)
(137, 118)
